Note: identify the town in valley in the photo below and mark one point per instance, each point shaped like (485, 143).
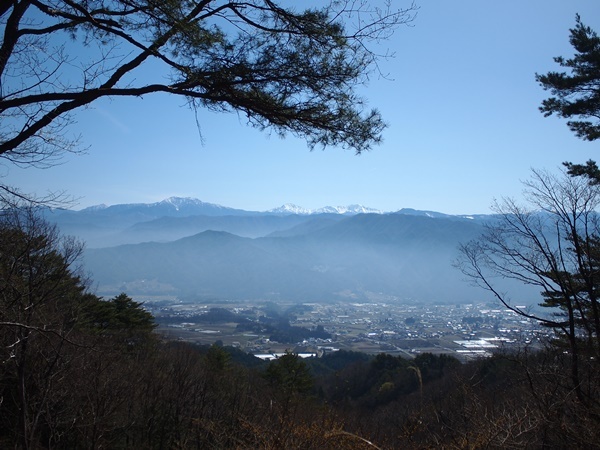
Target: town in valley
(382, 325)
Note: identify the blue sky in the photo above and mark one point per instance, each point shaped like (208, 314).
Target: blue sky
(461, 103)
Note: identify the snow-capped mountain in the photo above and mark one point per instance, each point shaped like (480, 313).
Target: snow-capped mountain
(178, 206)
(350, 209)
(188, 203)
(188, 206)
(172, 206)
(290, 208)
(178, 217)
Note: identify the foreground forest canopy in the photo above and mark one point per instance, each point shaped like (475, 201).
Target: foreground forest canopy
(81, 371)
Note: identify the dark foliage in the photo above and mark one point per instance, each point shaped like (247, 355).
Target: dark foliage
(287, 69)
(280, 330)
(82, 372)
(577, 94)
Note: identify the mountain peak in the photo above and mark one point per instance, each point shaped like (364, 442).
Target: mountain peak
(350, 209)
(176, 206)
(290, 208)
(179, 202)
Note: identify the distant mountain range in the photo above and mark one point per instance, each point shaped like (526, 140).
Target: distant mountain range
(177, 217)
(186, 206)
(170, 207)
(201, 250)
(179, 206)
(290, 208)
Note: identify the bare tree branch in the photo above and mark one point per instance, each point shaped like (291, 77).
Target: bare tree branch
(294, 72)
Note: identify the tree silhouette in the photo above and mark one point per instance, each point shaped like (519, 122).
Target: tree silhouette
(40, 297)
(292, 71)
(551, 244)
(577, 94)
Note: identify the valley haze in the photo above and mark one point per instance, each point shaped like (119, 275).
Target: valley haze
(202, 251)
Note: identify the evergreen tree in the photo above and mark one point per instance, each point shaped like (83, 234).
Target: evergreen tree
(577, 94)
(285, 67)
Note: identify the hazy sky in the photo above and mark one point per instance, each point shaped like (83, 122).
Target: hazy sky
(461, 104)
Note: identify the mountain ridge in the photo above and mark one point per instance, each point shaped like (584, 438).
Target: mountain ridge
(324, 257)
(176, 217)
(186, 204)
(187, 247)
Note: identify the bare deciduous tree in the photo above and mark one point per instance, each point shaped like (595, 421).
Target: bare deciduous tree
(40, 294)
(554, 245)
